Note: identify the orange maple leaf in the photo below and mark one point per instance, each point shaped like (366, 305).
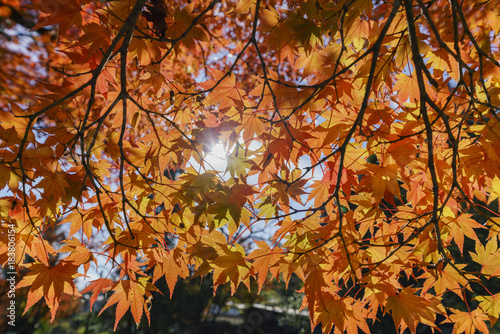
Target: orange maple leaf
(226, 93)
(264, 257)
(79, 253)
(100, 285)
(469, 322)
(409, 309)
(384, 178)
(172, 267)
(133, 294)
(407, 87)
(49, 282)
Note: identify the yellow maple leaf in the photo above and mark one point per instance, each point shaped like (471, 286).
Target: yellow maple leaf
(490, 305)
(487, 257)
(232, 266)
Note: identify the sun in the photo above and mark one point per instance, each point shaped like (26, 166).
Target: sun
(217, 158)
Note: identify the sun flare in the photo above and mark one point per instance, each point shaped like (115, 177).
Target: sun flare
(217, 158)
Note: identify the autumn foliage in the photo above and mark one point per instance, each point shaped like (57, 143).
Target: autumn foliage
(364, 134)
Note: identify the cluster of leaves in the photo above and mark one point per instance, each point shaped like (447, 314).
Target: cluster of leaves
(367, 132)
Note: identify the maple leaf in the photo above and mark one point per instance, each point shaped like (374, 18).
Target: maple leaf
(8, 177)
(9, 121)
(171, 267)
(289, 187)
(409, 309)
(313, 285)
(244, 6)
(264, 257)
(491, 306)
(226, 93)
(100, 285)
(312, 62)
(461, 226)
(59, 12)
(252, 126)
(181, 24)
(145, 52)
(334, 314)
(449, 279)
(50, 283)
(469, 322)
(384, 178)
(78, 223)
(440, 60)
(407, 87)
(237, 163)
(79, 253)
(232, 266)
(133, 294)
(487, 257)
(54, 185)
(320, 192)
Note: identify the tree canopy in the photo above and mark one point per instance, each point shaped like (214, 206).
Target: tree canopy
(364, 135)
